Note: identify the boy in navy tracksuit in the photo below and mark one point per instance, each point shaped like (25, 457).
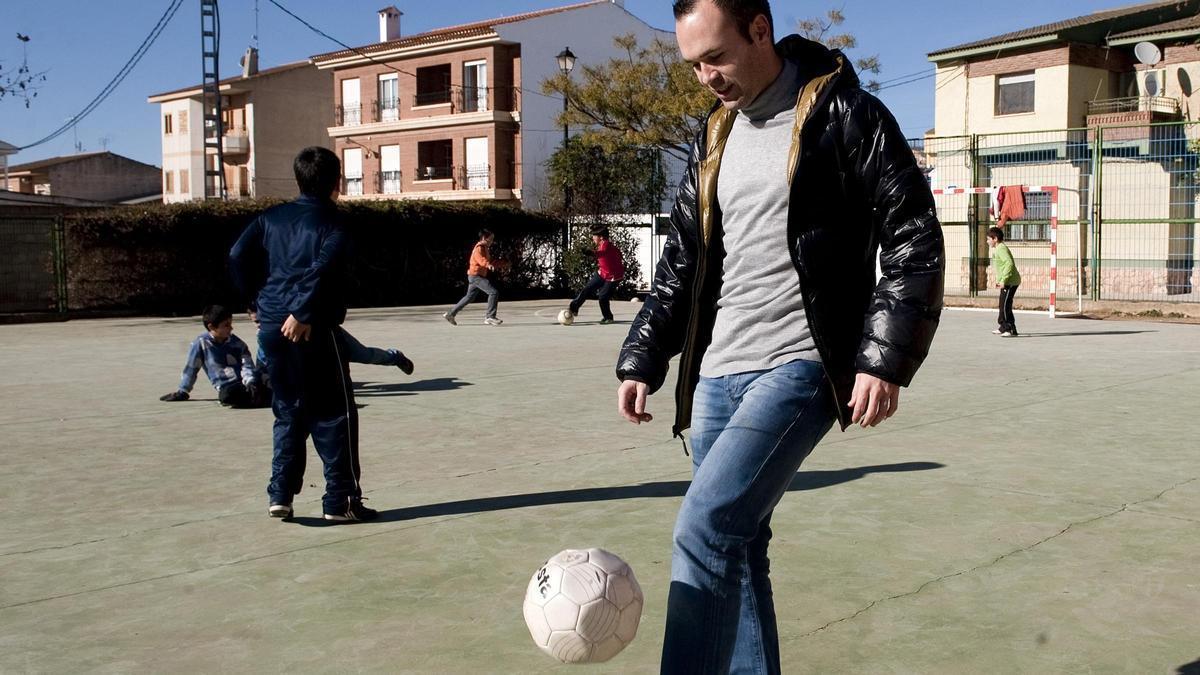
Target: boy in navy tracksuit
(225, 359)
(291, 260)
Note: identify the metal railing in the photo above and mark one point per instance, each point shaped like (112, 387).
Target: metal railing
(347, 115)
(352, 186)
(1158, 104)
(475, 177)
(1128, 209)
(386, 110)
(435, 97)
(388, 182)
(435, 172)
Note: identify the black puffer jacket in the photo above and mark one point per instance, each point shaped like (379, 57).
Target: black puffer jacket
(855, 190)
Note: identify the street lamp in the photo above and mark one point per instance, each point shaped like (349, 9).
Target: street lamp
(566, 63)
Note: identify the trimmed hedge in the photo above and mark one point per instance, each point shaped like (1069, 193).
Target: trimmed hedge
(173, 258)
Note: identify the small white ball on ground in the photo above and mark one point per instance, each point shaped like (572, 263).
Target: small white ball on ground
(583, 606)
(566, 318)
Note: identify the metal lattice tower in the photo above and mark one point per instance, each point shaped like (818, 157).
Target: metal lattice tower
(214, 132)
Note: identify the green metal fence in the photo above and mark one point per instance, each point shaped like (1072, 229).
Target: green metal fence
(33, 277)
(1128, 209)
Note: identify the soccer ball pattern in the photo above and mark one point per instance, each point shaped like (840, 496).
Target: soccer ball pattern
(583, 606)
(566, 318)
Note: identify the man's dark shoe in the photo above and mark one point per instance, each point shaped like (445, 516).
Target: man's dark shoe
(605, 322)
(404, 363)
(354, 512)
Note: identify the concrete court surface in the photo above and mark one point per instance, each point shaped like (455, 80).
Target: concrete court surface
(1034, 507)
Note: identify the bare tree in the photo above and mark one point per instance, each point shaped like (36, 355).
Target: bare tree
(822, 29)
(21, 82)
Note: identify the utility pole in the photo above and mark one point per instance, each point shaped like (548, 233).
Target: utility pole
(213, 124)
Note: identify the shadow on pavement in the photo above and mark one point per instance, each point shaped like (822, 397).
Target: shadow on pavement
(1092, 332)
(368, 389)
(804, 480)
(1192, 668)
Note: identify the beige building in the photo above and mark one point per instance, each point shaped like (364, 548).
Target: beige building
(1098, 105)
(267, 116)
(94, 176)
(456, 113)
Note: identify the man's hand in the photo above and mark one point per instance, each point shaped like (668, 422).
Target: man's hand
(294, 330)
(631, 401)
(873, 400)
(175, 396)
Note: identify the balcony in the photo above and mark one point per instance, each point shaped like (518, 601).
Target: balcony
(1129, 118)
(236, 141)
(387, 182)
(347, 115)
(1153, 104)
(473, 177)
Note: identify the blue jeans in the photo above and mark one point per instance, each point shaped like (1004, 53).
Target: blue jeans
(750, 432)
(475, 286)
(357, 352)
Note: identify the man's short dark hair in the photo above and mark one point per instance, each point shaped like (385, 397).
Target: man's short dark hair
(484, 234)
(318, 171)
(996, 233)
(600, 231)
(742, 11)
(215, 315)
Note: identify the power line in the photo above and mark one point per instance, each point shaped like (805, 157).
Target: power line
(368, 57)
(112, 85)
(902, 77)
(909, 81)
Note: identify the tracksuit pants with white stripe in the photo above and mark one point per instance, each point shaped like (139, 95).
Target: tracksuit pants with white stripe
(313, 396)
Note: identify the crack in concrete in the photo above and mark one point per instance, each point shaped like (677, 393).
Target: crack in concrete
(996, 560)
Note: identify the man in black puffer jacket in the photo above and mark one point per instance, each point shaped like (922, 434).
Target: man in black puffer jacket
(767, 287)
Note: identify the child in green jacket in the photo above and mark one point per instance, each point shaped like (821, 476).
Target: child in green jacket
(1007, 280)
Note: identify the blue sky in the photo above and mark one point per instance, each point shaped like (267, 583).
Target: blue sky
(83, 43)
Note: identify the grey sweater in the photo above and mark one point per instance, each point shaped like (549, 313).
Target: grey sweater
(760, 320)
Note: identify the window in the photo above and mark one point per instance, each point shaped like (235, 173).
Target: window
(244, 181)
(475, 90)
(1014, 94)
(351, 110)
(435, 160)
(352, 166)
(184, 186)
(389, 169)
(389, 98)
(167, 124)
(169, 182)
(1035, 224)
(433, 85)
(183, 115)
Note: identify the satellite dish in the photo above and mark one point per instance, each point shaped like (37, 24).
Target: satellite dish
(1151, 84)
(1185, 82)
(1147, 53)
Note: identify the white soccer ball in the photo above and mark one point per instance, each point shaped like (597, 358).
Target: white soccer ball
(583, 606)
(566, 318)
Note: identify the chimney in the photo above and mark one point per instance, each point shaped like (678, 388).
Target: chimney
(249, 62)
(389, 23)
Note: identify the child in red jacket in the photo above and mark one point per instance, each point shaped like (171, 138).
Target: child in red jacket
(611, 271)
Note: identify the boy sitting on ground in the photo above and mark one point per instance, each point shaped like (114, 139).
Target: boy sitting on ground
(222, 355)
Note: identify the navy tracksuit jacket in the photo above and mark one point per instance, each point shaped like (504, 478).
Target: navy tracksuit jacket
(291, 260)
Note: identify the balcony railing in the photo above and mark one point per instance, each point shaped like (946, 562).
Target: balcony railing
(387, 182)
(387, 110)
(475, 177)
(352, 186)
(435, 172)
(1154, 104)
(236, 140)
(347, 115)
(435, 97)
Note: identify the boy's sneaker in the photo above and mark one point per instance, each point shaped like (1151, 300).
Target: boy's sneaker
(280, 510)
(997, 331)
(605, 322)
(493, 321)
(355, 512)
(449, 317)
(1008, 334)
(404, 363)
